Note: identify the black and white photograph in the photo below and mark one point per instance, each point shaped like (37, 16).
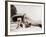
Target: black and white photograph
(25, 18)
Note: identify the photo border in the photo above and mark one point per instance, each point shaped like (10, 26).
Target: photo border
(6, 18)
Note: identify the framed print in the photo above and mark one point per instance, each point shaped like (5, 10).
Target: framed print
(24, 18)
